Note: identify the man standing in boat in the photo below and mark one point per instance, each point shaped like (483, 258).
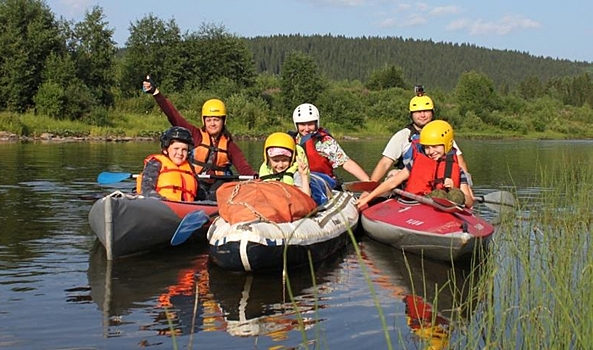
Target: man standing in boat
(215, 151)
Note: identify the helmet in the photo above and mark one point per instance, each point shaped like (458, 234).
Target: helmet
(176, 133)
(421, 103)
(305, 112)
(280, 140)
(437, 132)
(214, 108)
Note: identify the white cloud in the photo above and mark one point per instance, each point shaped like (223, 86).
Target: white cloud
(416, 14)
(444, 11)
(387, 23)
(503, 26)
(413, 21)
(347, 3)
(77, 7)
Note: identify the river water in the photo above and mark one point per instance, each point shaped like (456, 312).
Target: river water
(59, 292)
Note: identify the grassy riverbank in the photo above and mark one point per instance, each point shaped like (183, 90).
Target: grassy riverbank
(129, 126)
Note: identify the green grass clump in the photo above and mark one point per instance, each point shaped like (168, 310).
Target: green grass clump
(537, 292)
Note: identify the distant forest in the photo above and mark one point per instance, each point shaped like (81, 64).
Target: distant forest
(435, 64)
(54, 71)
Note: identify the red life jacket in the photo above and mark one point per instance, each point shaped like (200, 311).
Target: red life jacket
(427, 175)
(317, 162)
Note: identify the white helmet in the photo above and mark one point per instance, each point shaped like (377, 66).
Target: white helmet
(305, 112)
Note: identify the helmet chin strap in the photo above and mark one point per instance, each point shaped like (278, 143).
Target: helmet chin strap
(418, 127)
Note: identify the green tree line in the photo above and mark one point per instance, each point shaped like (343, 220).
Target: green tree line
(69, 71)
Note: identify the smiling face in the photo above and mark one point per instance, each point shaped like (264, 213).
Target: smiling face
(306, 128)
(421, 118)
(434, 152)
(177, 152)
(279, 163)
(213, 125)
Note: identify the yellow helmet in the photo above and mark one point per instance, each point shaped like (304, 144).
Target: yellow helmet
(421, 103)
(437, 132)
(278, 142)
(214, 108)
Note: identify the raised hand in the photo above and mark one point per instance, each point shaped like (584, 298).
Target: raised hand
(303, 168)
(148, 85)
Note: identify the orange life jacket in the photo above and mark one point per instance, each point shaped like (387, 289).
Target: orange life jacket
(201, 155)
(176, 183)
(427, 175)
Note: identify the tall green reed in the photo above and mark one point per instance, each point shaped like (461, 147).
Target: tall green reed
(537, 289)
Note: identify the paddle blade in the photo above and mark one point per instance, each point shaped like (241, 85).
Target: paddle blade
(107, 177)
(499, 197)
(190, 223)
(360, 186)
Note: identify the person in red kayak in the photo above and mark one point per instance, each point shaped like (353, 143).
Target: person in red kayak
(169, 175)
(421, 113)
(432, 168)
(215, 151)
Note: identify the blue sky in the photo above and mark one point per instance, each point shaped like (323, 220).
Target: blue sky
(557, 29)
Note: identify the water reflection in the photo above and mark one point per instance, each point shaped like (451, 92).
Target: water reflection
(47, 272)
(433, 292)
(261, 305)
(160, 283)
(197, 296)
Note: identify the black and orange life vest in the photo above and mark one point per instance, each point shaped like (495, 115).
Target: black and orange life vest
(427, 175)
(202, 152)
(176, 183)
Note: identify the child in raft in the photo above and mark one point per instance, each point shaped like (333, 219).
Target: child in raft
(285, 161)
(432, 168)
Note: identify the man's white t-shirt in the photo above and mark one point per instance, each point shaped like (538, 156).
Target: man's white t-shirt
(399, 144)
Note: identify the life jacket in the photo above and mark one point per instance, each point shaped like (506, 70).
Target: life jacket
(201, 155)
(176, 183)
(317, 162)
(414, 134)
(287, 176)
(427, 175)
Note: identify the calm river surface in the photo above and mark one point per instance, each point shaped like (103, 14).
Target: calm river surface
(59, 292)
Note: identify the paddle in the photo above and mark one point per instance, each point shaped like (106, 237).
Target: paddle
(107, 177)
(441, 204)
(190, 223)
(500, 201)
(499, 198)
(360, 186)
